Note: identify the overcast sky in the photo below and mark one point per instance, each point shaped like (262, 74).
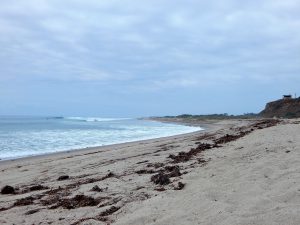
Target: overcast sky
(146, 57)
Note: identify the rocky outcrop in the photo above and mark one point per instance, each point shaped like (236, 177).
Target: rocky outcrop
(283, 108)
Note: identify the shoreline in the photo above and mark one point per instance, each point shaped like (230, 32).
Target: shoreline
(88, 149)
(206, 124)
(125, 183)
(79, 150)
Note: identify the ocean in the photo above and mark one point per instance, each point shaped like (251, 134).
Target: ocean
(28, 136)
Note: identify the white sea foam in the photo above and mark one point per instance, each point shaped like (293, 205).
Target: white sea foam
(94, 119)
(25, 137)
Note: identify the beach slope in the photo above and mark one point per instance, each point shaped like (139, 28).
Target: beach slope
(238, 172)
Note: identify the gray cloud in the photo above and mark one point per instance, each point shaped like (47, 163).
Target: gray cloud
(164, 43)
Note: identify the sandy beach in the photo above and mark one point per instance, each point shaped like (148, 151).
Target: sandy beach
(234, 172)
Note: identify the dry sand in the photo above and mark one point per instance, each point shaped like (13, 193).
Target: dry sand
(244, 174)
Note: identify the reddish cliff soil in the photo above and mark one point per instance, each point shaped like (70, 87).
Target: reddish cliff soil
(285, 108)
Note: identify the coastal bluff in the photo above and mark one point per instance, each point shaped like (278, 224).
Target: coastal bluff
(282, 108)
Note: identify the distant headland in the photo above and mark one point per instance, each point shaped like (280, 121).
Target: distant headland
(287, 108)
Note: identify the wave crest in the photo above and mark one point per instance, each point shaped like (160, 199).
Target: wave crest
(94, 119)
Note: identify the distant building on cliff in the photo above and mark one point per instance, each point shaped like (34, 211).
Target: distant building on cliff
(286, 97)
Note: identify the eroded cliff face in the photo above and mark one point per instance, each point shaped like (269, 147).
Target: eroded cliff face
(285, 108)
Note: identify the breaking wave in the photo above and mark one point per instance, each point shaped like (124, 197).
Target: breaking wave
(94, 119)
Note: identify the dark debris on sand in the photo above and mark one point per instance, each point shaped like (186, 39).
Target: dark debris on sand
(101, 217)
(109, 211)
(24, 201)
(143, 171)
(186, 156)
(164, 175)
(7, 190)
(35, 188)
(30, 212)
(63, 177)
(155, 165)
(160, 189)
(173, 171)
(229, 138)
(97, 189)
(180, 186)
(161, 179)
(258, 125)
(77, 202)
